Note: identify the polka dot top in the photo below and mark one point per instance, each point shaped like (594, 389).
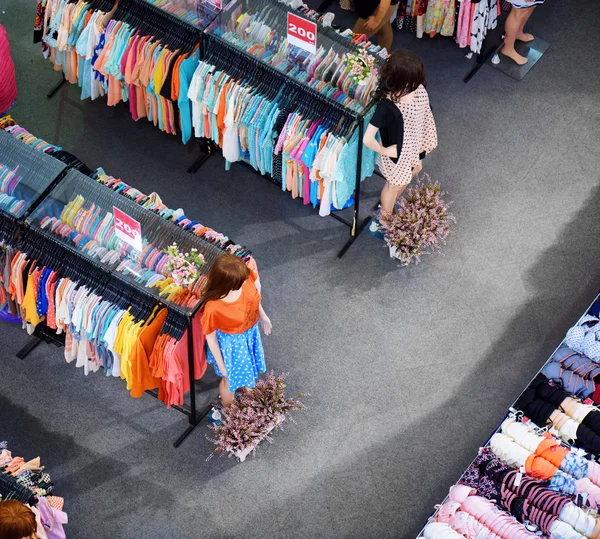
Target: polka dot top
(420, 135)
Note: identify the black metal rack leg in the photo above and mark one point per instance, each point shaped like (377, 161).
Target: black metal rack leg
(194, 417)
(51, 93)
(29, 347)
(206, 151)
(356, 229)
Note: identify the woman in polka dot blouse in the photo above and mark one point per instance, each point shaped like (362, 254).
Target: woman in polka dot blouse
(404, 122)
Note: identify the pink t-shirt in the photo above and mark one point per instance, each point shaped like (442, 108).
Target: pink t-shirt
(8, 81)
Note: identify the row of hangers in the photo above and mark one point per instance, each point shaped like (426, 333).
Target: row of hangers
(293, 96)
(340, 42)
(148, 19)
(49, 251)
(71, 161)
(37, 169)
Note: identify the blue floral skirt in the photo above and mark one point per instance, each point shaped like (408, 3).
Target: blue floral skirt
(243, 356)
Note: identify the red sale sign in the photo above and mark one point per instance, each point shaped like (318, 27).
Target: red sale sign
(128, 229)
(302, 33)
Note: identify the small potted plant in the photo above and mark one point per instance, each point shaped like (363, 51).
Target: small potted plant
(420, 223)
(361, 66)
(183, 268)
(253, 416)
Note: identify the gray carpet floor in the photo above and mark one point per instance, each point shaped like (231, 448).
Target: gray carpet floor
(409, 369)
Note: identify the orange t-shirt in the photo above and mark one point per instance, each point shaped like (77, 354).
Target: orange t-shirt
(236, 317)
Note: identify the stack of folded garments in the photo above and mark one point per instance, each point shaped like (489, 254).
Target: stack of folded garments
(543, 457)
(529, 500)
(577, 373)
(575, 422)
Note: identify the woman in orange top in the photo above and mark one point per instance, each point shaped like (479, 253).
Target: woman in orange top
(230, 321)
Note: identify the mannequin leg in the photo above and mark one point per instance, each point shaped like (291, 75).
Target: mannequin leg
(522, 36)
(515, 22)
(226, 395)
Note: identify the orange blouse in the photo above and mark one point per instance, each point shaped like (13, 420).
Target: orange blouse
(235, 317)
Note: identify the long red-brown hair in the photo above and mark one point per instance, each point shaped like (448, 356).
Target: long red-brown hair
(16, 520)
(227, 273)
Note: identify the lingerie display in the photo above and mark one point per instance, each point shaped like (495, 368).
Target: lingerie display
(538, 475)
(28, 482)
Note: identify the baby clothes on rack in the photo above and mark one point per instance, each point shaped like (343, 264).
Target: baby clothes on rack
(306, 150)
(153, 203)
(100, 333)
(262, 35)
(112, 54)
(9, 181)
(29, 483)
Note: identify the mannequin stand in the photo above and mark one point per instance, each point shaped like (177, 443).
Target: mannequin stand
(532, 50)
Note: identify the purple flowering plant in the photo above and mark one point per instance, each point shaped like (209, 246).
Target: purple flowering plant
(253, 415)
(183, 268)
(420, 223)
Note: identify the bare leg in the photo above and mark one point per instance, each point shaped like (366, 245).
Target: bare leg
(522, 36)
(385, 36)
(226, 395)
(385, 33)
(359, 28)
(514, 25)
(389, 195)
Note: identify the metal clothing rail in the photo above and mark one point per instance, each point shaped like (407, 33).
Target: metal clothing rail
(208, 148)
(24, 234)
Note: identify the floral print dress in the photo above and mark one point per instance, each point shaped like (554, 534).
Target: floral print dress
(440, 17)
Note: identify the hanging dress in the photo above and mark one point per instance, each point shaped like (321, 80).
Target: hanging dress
(440, 17)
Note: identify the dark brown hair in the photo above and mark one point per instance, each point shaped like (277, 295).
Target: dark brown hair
(401, 73)
(227, 273)
(16, 520)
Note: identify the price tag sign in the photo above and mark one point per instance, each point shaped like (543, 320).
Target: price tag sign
(128, 229)
(216, 3)
(301, 33)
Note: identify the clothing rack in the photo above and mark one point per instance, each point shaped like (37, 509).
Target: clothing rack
(176, 31)
(208, 148)
(52, 251)
(181, 34)
(481, 59)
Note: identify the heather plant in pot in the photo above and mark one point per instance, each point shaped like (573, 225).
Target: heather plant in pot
(254, 414)
(419, 224)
